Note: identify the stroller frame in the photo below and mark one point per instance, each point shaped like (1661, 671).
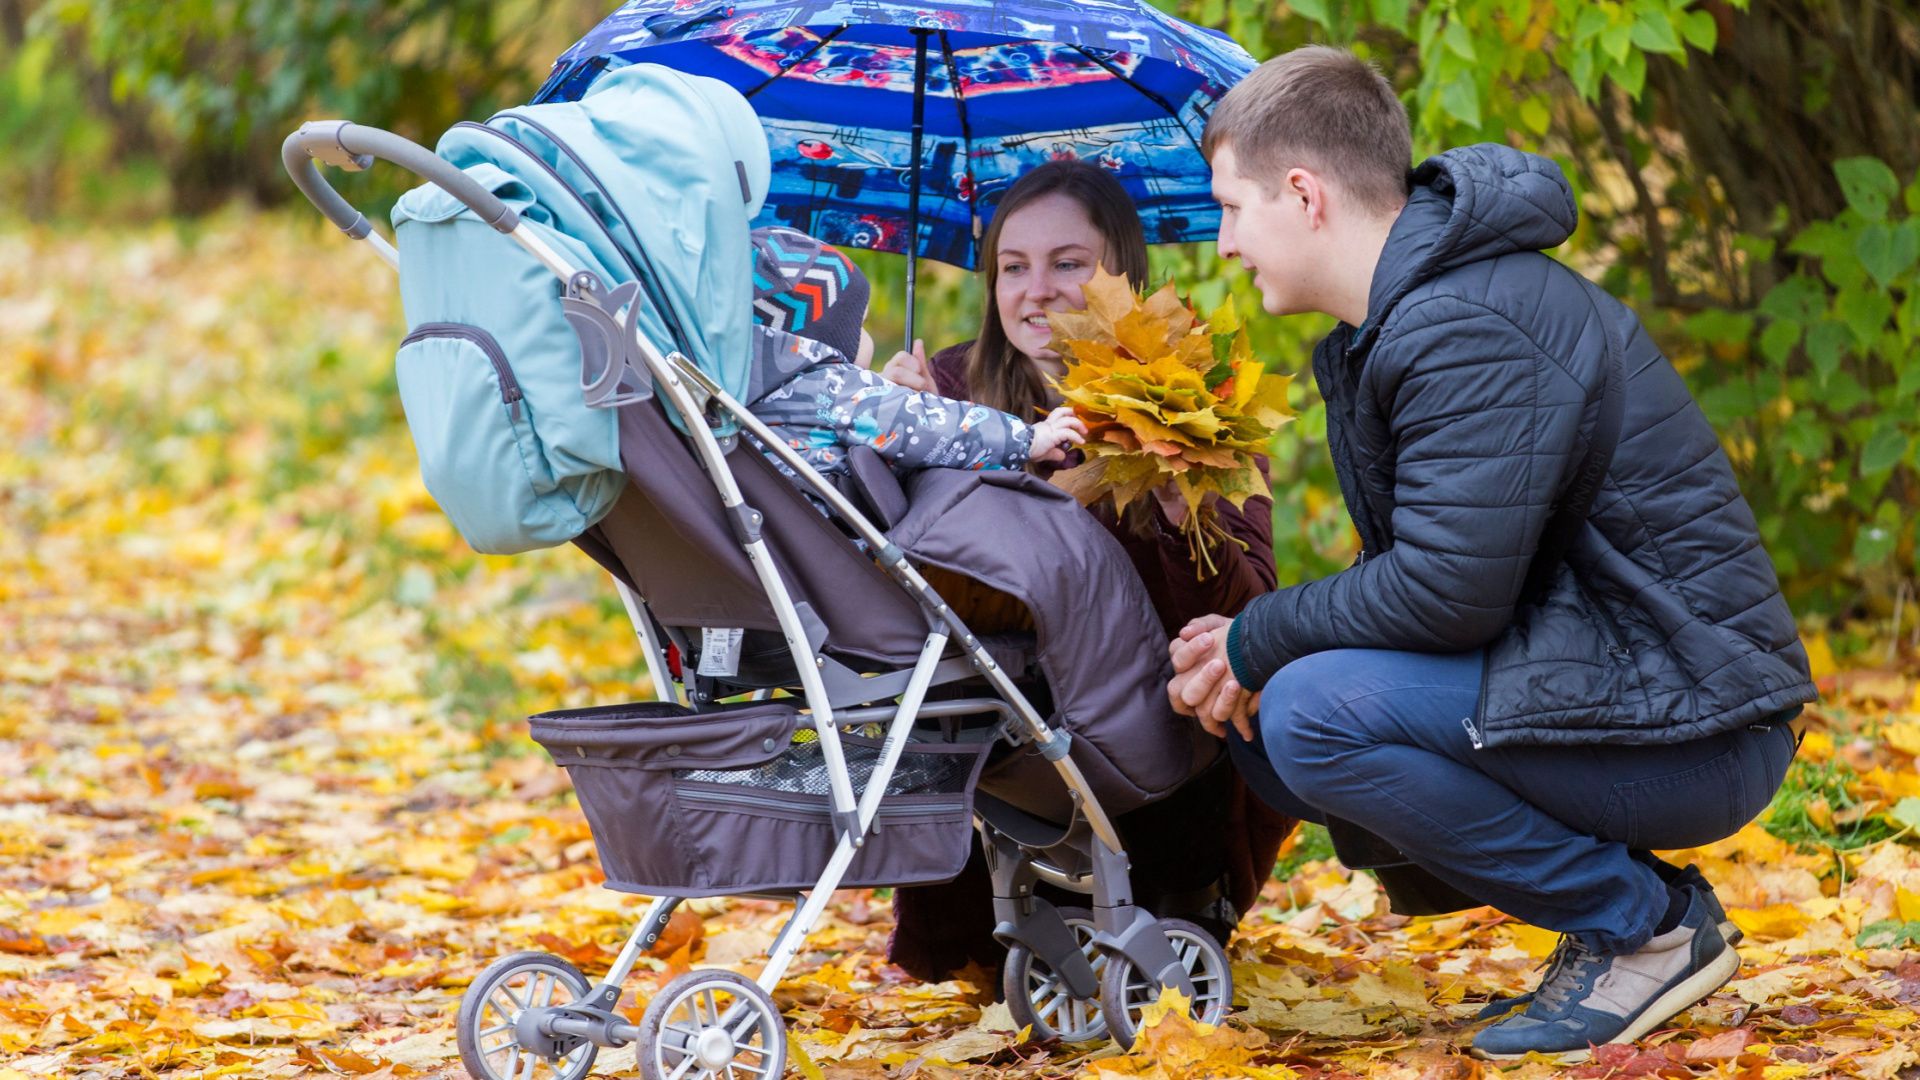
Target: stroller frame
(1055, 970)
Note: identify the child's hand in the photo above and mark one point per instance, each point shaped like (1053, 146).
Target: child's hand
(1060, 432)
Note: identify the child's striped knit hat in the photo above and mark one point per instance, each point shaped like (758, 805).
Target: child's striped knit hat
(808, 288)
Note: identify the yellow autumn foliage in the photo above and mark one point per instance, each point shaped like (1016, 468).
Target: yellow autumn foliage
(1168, 398)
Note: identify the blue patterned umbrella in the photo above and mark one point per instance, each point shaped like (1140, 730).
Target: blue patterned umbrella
(890, 120)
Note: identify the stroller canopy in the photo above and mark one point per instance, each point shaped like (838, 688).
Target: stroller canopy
(657, 173)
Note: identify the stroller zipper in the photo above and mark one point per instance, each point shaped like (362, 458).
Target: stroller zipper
(814, 806)
(510, 393)
(645, 276)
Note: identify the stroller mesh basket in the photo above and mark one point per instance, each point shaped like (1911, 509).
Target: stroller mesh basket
(736, 799)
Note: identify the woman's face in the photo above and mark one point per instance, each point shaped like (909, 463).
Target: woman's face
(1048, 250)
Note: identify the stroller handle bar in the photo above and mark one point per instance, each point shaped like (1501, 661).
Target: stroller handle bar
(353, 147)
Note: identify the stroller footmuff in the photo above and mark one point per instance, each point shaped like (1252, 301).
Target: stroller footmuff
(795, 749)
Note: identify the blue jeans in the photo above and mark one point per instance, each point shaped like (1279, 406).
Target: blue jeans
(1558, 836)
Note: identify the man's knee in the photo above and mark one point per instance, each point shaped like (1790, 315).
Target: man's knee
(1294, 709)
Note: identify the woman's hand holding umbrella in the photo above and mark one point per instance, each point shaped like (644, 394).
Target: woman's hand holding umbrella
(910, 369)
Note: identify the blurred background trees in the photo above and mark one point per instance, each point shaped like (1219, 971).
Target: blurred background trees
(1747, 179)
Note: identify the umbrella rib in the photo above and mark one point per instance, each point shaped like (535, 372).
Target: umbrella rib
(808, 55)
(1144, 92)
(966, 142)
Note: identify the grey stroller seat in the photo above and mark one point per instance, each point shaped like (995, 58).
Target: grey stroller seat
(669, 539)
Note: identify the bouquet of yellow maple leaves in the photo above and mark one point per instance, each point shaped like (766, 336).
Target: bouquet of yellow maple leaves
(1166, 396)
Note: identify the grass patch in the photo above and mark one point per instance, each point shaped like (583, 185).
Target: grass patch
(1814, 812)
(1310, 844)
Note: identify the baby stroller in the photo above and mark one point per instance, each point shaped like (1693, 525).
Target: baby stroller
(796, 749)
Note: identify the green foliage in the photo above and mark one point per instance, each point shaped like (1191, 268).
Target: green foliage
(1815, 390)
(210, 87)
(1488, 69)
(1310, 844)
(59, 148)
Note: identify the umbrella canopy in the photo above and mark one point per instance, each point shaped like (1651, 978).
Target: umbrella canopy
(888, 120)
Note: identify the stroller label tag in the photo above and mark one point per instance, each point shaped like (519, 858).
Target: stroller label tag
(720, 651)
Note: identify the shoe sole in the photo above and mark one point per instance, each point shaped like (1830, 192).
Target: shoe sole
(1718, 973)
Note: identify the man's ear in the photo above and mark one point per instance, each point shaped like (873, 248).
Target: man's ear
(1307, 192)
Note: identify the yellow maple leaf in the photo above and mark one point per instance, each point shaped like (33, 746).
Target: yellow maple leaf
(195, 976)
(1770, 923)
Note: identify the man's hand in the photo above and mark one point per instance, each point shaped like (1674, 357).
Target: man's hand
(909, 369)
(1203, 685)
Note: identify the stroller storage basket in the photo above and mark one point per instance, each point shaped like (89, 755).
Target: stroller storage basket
(736, 799)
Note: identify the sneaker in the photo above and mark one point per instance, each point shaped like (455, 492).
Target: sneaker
(1588, 999)
(1688, 876)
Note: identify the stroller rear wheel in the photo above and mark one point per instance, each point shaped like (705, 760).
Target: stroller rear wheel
(490, 1012)
(711, 1024)
(1125, 992)
(1037, 998)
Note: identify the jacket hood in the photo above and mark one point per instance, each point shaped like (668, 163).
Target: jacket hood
(1469, 204)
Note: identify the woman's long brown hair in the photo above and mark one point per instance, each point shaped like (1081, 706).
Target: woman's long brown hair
(998, 375)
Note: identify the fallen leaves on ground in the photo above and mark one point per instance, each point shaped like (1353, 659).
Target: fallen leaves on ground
(267, 804)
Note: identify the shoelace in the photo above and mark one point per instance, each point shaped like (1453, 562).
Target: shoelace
(1566, 974)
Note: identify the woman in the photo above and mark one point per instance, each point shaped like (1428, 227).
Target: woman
(1050, 231)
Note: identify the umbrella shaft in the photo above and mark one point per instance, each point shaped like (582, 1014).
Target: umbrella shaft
(913, 172)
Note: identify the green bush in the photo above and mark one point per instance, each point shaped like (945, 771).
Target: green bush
(1817, 390)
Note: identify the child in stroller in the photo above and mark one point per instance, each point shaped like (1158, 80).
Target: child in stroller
(736, 789)
(811, 384)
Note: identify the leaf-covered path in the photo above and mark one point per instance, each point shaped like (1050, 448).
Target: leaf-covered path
(266, 803)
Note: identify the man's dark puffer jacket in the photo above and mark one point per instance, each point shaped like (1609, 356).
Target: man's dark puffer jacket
(1457, 416)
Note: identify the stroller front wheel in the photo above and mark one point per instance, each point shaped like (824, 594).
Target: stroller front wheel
(486, 1028)
(1125, 992)
(1037, 998)
(710, 1024)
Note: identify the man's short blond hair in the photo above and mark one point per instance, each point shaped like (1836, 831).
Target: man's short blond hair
(1323, 109)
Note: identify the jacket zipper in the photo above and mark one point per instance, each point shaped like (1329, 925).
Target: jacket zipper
(644, 275)
(812, 807)
(1480, 701)
(510, 394)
